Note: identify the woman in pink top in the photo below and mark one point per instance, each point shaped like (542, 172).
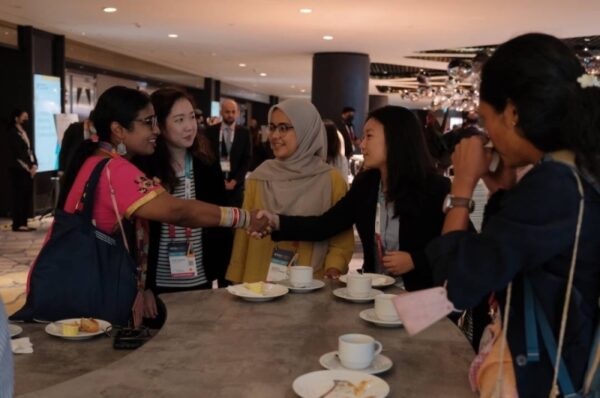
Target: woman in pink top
(125, 126)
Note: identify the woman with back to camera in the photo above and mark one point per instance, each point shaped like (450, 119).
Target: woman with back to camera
(401, 185)
(297, 181)
(187, 171)
(539, 107)
(125, 122)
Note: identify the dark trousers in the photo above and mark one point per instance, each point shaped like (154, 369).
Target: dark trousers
(22, 197)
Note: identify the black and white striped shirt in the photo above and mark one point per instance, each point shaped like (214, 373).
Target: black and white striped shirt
(163, 269)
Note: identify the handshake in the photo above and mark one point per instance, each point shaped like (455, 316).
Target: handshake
(262, 223)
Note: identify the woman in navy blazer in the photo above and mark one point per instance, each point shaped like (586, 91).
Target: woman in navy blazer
(399, 182)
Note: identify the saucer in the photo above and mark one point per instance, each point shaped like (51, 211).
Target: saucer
(14, 330)
(343, 293)
(369, 315)
(271, 291)
(380, 363)
(377, 280)
(318, 384)
(315, 284)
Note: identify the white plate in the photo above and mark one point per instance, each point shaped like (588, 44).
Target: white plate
(316, 284)
(271, 291)
(14, 330)
(55, 329)
(315, 384)
(377, 280)
(342, 292)
(380, 363)
(369, 315)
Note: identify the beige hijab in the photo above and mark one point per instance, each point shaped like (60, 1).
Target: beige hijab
(301, 184)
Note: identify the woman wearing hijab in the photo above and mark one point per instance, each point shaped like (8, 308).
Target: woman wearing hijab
(298, 182)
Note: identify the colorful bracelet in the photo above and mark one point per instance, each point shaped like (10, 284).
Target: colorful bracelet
(234, 217)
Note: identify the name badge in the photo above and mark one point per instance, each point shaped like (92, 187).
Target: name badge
(225, 165)
(182, 261)
(280, 260)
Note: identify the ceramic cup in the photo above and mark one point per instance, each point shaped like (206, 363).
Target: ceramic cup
(358, 285)
(384, 307)
(301, 276)
(357, 351)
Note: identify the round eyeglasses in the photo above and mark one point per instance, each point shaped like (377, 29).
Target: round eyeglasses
(281, 128)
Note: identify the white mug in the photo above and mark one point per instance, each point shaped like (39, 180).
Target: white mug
(384, 307)
(358, 285)
(357, 351)
(301, 276)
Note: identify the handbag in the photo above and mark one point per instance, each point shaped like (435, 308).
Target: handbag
(81, 271)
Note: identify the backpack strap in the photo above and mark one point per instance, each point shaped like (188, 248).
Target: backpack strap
(88, 197)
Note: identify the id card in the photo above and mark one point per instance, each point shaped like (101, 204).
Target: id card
(182, 261)
(279, 265)
(225, 165)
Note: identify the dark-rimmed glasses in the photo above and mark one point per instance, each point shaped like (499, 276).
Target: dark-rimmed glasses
(281, 128)
(150, 121)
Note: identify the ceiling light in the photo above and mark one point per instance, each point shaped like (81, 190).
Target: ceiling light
(263, 74)
(173, 35)
(109, 9)
(293, 86)
(303, 91)
(305, 11)
(587, 39)
(242, 65)
(327, 37)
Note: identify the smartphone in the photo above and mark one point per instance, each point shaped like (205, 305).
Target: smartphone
(495, 157)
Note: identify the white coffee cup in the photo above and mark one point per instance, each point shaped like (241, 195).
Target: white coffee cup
(301, 276)
(357, 351)
(384, 307)
(358, 285)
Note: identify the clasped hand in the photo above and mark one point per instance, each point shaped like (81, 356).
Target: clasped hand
(262, 223)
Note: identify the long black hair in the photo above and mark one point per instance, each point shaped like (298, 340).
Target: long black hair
(538, 73)
(159, 163)
(333, 140)
(117, 104)
(408, 161)
(13, 115)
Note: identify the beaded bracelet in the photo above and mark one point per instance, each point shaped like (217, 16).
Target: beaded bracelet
(234, 217)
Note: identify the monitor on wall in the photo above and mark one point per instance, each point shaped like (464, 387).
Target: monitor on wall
(47, 103)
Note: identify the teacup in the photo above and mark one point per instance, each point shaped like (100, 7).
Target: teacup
(384, 307)
(358, 285)
(301, 276)
(357, 351)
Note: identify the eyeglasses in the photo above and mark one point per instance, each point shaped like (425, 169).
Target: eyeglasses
(150, 121)
(281, 128)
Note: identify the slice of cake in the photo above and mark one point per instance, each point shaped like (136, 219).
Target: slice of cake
(89, 325)
(256, 287)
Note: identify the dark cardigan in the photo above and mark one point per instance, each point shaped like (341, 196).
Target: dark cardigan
(418, 225)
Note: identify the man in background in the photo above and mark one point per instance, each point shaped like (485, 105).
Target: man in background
(233, 144)
(351, 141)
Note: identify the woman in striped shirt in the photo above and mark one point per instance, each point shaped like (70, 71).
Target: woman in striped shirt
(182, 258)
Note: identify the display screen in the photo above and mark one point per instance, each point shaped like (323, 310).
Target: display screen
(46, 103)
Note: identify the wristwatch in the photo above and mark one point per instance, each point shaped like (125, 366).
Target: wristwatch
(452, 201)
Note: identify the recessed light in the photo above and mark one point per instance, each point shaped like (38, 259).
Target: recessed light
(327, 37)
(293, 86)
(263, 74)
(109, 9)
(305, 11)
(173, 35)
(586, 49)
(587, 39)
(242, 65)
(82, 33)
(303, 91)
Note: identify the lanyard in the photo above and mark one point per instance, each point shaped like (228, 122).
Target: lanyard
(188, 195)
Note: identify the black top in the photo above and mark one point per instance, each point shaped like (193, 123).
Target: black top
(532, 234)
(418, 225)
(216, 242)
(240, 154)
(18, 150)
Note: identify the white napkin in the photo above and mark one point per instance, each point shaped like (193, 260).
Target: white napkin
(21, 346)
